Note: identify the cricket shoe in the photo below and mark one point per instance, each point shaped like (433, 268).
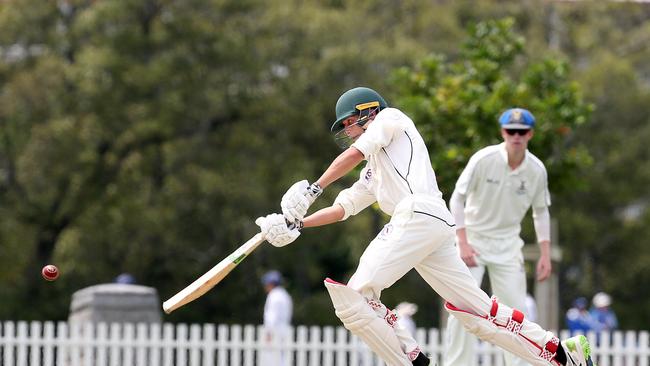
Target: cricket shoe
(578, 352)
(421, 360)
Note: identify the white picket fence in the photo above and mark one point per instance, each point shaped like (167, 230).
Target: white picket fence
(49, 343)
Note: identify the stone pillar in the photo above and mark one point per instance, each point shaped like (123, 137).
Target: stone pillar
(115, 303)
(547, 293)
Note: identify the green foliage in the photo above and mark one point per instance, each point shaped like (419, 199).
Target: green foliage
(456, 104)
(146, 136)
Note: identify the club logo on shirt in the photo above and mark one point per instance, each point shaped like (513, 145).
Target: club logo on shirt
(522, 188)
(385, 232)
(368, 176)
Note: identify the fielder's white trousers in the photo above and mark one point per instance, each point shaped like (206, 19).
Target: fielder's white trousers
(507, 277)
(275, 351)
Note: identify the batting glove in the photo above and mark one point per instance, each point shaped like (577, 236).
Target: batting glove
(276, 230)
(298, 198)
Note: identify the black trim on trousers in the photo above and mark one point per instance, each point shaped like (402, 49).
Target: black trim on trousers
(435, 217)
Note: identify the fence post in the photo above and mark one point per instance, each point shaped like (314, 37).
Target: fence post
(249, 345)
(22, 342)
(644, 348)
(49, 343)
(193, 346)
(314, 345)
(222, 345)
(341, 346)
(35, 339)
(208, 344)
(168, 345)
(157, 344)
(102, 344)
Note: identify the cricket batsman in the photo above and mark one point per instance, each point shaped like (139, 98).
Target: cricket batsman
(420, 234)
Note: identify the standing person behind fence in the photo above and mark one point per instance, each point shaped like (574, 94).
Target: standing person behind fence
(493, 193)
(578, 318)
(420, 235)
(278, 310)
(602, 314)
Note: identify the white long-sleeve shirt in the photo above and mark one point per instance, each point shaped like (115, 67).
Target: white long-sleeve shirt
(398, 166)
(278, 309)
(496, 198)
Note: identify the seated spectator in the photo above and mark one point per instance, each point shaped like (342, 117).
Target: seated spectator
(578, 318)
(603, 316)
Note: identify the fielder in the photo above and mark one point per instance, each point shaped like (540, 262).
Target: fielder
(421, 235)
(494, 192)
(278, 310)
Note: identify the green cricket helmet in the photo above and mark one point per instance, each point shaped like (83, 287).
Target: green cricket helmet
(357, 101)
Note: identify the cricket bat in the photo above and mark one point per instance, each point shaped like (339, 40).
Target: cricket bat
(212, 277)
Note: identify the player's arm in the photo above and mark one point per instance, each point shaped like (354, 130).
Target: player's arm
(301, 195)
(341, 166)
(349, 201)
(325, 216)
(282, 231)
(457, 208)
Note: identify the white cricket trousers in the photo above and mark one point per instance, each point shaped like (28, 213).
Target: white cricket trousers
(421, 235)
(508, 282)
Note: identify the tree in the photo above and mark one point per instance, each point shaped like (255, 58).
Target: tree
(457, 103)
(147, 136)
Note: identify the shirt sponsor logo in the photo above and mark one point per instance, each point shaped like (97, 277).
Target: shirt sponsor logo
(492, 181)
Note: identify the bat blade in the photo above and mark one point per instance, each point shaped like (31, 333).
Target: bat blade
(212, 277)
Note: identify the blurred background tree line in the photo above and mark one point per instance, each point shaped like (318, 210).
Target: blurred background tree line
(145, 136)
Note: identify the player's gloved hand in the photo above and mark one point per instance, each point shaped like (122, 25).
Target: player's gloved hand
(298, 198)
(275, 229)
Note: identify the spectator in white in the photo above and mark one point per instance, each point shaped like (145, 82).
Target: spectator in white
(405, 312)
(278, 310)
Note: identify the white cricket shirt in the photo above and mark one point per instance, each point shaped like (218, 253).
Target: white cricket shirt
(277, 309)
(497, 197)
(398, 166)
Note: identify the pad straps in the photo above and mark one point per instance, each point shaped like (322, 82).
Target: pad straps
(514, 325)
(550, 349)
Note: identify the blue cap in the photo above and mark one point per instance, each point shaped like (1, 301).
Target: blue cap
(517, 118)
(125, 278)
(580, 302)
(272, 278)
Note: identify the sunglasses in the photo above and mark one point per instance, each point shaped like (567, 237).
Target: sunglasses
(517, 131)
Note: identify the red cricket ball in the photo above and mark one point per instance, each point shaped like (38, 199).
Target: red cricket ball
(50, 272)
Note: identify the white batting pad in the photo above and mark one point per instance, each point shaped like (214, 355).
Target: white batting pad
(360, 319)
(508, 330)
(406, 340)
